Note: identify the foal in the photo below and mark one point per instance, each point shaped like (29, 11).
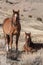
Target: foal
(12, 26)
(27, 44)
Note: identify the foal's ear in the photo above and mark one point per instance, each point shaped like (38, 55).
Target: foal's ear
(25, 33)
(13, 11)
(30, 33)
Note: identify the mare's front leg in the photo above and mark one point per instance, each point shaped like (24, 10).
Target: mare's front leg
(11, 41)
(7, 43)
(17, 38)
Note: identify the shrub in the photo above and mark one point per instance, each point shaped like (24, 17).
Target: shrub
(39, 19)
(30, 16)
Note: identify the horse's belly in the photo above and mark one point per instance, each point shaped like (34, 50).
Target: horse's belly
(7, 28)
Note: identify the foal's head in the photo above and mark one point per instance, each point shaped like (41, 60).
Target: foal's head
(28, 37)
(15, 16)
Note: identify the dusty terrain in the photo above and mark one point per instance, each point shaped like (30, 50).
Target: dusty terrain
(28, 24)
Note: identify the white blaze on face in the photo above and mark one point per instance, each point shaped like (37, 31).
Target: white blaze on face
(27, 37)
(15, 15)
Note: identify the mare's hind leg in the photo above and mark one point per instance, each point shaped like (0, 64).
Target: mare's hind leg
(17, 38)
(7, 43)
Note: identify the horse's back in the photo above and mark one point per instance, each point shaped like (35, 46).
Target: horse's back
(7, 26)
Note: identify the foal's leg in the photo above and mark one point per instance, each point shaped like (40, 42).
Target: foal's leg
(11, 41)
(17, 38)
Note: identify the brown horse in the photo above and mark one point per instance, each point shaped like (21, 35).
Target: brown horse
(12, 26)
(27, 44)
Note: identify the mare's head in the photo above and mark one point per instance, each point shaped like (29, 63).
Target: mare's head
(15, 16)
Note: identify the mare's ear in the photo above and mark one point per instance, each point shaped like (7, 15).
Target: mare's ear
(30, 34)
(18, 11)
